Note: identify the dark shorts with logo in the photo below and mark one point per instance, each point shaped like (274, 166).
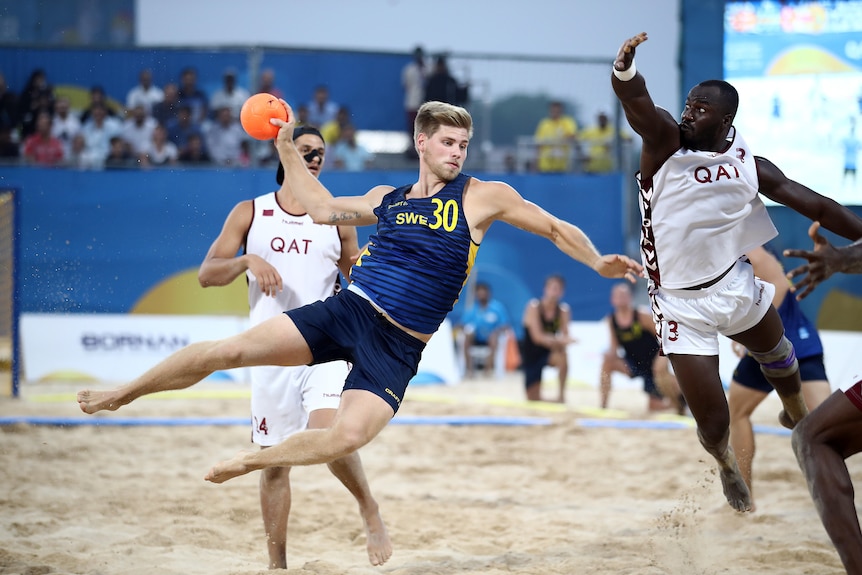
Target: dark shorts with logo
(347, 327)
(748, 374)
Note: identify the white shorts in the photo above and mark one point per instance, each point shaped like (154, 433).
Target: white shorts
(689, 321)
(282, 397)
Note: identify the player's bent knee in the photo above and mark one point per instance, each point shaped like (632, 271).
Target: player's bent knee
(779, 361)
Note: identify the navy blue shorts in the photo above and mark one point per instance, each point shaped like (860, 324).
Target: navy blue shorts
(748, 374)
(533, 370)
(644, 369)
(347, 327)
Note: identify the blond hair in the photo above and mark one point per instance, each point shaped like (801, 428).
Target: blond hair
(432, 115)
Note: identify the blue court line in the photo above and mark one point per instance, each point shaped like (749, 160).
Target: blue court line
(657, 424)
(398, 420)
(192, 421)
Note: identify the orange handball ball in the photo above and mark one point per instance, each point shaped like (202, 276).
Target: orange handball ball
(256, 113)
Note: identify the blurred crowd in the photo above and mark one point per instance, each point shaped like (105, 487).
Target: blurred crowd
(174, 124)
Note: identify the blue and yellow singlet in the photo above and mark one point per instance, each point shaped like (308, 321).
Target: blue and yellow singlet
(416, 264)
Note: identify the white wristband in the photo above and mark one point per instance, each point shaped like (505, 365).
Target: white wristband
(627, 74)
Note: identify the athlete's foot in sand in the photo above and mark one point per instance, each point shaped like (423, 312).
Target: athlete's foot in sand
(735, 489)
(228, 469)
(93, 401)
(378, 544)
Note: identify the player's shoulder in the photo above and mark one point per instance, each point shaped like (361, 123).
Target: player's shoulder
(564, 307)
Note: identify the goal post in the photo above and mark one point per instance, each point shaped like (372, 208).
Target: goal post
(9, 341)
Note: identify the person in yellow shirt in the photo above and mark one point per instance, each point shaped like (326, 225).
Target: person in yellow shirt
(556, 137)
(598, 141)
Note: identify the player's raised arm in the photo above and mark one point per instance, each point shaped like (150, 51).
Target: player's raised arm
(655, 125)
(823, 261)
(320, 204)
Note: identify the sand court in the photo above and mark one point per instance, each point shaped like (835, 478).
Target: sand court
(470, 479)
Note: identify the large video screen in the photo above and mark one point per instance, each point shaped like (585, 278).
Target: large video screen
(798, 69)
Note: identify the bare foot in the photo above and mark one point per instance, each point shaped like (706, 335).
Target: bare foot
(735, 489)
(229, 469)
(378, 544)
(93, 401)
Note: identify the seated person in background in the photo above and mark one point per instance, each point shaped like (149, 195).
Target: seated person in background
(160, 151)
(181, 127)
(41, 148)
(349, 155)
(120, 155)
(482, 323)
(556, 137)
(195, 153)
(224, 137)
(749, 387)
(546, 336)
(230, 95)
(331, 131)
(634, 352)
(598, 142)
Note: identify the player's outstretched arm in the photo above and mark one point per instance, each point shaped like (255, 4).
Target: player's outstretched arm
(515, 210)
(823, 261)
(313, 195)
(831, 215)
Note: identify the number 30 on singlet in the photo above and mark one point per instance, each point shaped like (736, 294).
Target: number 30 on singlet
(446, 214)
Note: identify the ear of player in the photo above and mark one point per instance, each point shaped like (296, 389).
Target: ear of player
(256, 113)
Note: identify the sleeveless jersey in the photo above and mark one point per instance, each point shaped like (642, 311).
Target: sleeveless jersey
(701, 212)
(304, 253)
(799, 329)
(416, 264)
(639, 344)
(530, 350)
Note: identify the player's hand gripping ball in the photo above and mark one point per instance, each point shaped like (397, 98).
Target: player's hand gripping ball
(256, 113)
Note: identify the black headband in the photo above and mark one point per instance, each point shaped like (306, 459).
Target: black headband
(297, 132)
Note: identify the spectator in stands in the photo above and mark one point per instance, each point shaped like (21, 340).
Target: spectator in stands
(413, 77)
(79, 157)
(190, 95)
(65, 124)
(8, 106)
(10, 151)
(120, 154)
(266, 83)
(442, 86)
(181, 128)
(41, 147)
(223, 138)
(145, 93)
(160, 151)
(556, 136)
(37, 96)
(138, 130)
(321, 110)
(482, 325)
(598, 142)
(348, 154)
(331, 131)
(98, 131)
(166, 111)
(194, 152)
(302, 115)
(230, 95)
(97, 98)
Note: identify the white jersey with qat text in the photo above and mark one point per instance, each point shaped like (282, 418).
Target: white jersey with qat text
(701, 212)
(304, 253)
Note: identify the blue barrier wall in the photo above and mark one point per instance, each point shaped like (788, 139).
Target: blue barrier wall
(99, 241)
